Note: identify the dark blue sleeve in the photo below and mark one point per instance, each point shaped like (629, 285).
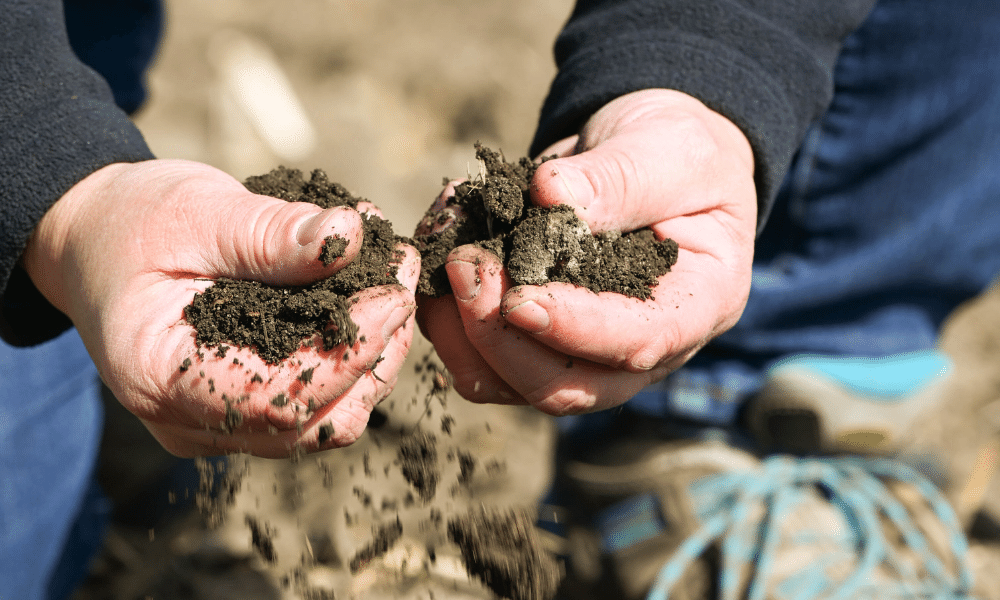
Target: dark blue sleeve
(765, 65)
(59, 123)
(118, 39)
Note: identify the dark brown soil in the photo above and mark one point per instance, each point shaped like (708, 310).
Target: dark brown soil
(277, 321)
(503, 550)
(418, 460)
(537, 245)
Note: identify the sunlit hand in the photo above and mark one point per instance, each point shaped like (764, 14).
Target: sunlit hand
(126, 249)
(655, 158)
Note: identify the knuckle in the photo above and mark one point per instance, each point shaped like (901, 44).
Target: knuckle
(565, 402)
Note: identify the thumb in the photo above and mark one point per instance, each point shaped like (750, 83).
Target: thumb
(284, 243)
(644, 158)
(618, 184)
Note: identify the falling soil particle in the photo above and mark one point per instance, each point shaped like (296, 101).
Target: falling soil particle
(467, 466)
(383, 538)
(277, 321)
(306, 376)
(233, 419)
(261, 537)
(325, 433)
(418, 460)
(503, 549)
(537, 245)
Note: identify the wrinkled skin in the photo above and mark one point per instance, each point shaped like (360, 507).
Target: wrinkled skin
(655, 158)
(126, 249)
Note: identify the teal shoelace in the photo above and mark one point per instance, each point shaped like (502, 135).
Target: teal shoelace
(730, 510)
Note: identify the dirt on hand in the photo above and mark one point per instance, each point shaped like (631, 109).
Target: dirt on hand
(536, 244)
(276, 321)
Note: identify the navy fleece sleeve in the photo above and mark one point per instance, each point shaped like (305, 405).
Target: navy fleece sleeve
(765, 65)
(58, 124)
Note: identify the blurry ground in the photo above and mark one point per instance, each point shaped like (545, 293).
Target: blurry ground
(387, 96)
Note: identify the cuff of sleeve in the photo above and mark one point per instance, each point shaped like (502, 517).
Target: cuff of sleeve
(691, 64)
(41, 163)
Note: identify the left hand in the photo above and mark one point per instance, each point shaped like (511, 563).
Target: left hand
(655, 158)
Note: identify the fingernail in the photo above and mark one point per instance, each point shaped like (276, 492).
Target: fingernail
(309, 229)
(465, 281)
(575, 184)
(397, 318)
(528, 316)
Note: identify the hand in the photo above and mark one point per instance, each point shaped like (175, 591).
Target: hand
(655, 158)
(126, 249)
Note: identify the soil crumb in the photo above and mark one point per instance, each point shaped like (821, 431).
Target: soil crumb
(277, 321)
(537, 245)
(418, 460)
(503, 549)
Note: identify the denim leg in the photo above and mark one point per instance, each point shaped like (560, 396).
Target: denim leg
(889, 217)
(51, 515)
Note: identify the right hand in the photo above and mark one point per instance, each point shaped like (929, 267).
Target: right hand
(654, 158)
(127, 248)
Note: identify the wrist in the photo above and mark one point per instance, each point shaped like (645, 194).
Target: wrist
(47, 255)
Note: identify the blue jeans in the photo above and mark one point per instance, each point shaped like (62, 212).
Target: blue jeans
(889, 216)
(52, 514)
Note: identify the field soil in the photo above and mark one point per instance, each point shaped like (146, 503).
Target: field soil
(390, 97)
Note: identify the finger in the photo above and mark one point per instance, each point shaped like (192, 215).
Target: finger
(408, 268)
(562, 148)
(687, 308)
(278, 242)
(474, 379)
(336, 424)
(547, 378)
(208, 384)
(442, 214)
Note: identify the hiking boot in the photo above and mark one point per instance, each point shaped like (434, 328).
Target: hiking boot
(813, 404)
(697, 519)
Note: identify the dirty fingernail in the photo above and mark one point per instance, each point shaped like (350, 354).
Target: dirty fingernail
(397, 318)
(465, 281)
(528, 316)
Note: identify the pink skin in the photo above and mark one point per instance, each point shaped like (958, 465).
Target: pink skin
(656, 158)
(125, 250)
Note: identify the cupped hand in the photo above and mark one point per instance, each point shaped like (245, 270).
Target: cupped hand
(127, 248)
(655, 158)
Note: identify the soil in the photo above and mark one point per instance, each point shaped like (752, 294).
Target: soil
(502, 548)
(277, 321)
(537, 245)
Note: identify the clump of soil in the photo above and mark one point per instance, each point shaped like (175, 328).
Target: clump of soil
(502, 549)
(277, 321)
(418, 460)
(536, 244)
